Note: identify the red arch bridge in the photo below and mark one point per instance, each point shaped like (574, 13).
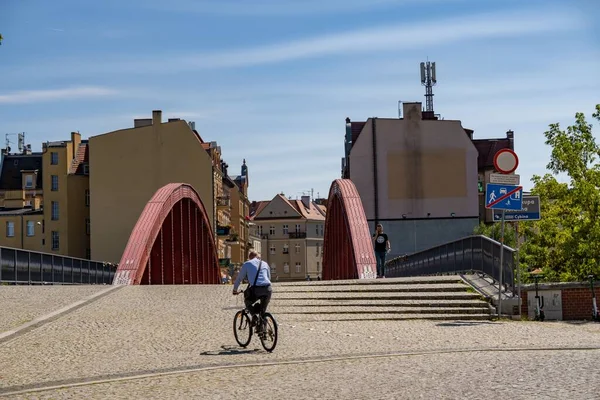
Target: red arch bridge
(173, 243)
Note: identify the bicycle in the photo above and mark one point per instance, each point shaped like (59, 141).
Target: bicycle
(247, 320)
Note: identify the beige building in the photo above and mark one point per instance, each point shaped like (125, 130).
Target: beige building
(45, 198)
(240, 217)
(417, 175)
(128, 166)
(291, 234)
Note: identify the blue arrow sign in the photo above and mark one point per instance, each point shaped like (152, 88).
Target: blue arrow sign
(503, 197)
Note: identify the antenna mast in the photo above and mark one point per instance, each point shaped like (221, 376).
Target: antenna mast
(428, 79)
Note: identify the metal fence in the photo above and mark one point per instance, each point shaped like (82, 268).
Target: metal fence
(473, 253)
(25, 267)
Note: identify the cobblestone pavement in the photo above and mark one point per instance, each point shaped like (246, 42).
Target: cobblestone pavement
(21, 304)
(444, 376)
(143, 329)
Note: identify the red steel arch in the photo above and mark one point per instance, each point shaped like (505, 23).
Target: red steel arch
(171, 243)
(348, 247)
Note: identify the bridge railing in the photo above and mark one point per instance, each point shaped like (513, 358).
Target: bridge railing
(475, 253)
(23, 267)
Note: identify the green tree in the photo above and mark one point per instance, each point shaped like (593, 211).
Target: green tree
(493, 231)
(565, 243)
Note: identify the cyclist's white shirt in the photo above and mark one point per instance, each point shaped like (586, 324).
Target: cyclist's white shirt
(249, 269)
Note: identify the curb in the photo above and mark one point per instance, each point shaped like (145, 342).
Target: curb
(37, 322)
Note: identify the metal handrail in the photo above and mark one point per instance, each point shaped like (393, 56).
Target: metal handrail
(472, 253)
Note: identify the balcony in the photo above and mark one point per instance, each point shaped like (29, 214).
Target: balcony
(297, 235)
(223, 202)
(223, 230)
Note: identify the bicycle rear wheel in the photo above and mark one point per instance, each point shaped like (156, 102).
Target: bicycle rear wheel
(268, 339)
(242, 328)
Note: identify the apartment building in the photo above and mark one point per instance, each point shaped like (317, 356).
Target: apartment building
(45, 198)
(240, 216)
(291, 233)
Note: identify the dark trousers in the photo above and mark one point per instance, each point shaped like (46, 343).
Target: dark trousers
(380, 257)
(262, 293)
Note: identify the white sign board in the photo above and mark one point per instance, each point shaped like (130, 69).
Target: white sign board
(505, 179)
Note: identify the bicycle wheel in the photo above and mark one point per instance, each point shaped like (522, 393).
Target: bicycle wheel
(269, 338)
(242, 328)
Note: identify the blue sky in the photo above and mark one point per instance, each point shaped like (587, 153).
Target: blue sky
(273, 80)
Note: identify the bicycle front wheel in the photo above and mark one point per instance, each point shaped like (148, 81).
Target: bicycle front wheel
(242, 328)
(269, 337)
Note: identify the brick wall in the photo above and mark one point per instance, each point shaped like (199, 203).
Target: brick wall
(576, 299)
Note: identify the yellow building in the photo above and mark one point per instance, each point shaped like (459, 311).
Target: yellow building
(45, 198)
(128, 166)
(240, 217)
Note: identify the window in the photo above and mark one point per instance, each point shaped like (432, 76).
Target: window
(286, 268)
(272, 230)
(272, 249)
(87, 226)
(87, 198)
(88, 254)
(260, 230)
(286, 249)
(298, 267)
(54, 158)
(10, 229)
(30, 228)
(54, 187)
(317, 230)
(321, 228)
(55, 240)
(285, 229)
(28, 181)
(318, 248)
(55, 211)
(297, 246)
(86, 169)
(297, 228)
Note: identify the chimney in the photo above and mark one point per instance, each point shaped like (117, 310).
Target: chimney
(412, 111)
(75, 140)
(28, 149)
(156, 117)
(306, 201)
(510, 135)
(138, 123)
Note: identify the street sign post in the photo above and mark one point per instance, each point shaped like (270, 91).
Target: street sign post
(504, 195)
(529, 212)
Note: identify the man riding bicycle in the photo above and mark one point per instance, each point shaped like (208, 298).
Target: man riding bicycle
(259, 273)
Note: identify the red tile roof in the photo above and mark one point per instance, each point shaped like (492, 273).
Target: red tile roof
(82, 155)
(256, 207)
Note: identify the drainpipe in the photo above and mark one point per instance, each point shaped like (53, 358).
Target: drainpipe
(375, 185)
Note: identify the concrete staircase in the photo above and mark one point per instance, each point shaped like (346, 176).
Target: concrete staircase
(437, 298)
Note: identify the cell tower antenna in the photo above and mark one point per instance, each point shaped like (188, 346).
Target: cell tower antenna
(429, 80)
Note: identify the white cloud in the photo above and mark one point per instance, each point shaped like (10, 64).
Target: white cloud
(34, 96)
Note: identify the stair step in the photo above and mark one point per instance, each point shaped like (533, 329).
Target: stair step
(381, 310)
(434, 287)
(376, 282)
(386, 317)
(378, 296)
(380, 302)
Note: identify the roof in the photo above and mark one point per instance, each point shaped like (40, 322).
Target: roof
(486, 150)
(356, 128)
(82, 156)
(257, 206)
(11, 177)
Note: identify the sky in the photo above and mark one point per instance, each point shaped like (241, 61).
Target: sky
(272, 81)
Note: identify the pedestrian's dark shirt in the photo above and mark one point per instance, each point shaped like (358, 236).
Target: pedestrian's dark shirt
(380, 242)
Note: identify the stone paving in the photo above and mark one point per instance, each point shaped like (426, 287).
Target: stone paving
(144, 329)
(21, 304)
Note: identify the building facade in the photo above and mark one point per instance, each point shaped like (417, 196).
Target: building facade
(291, 233)
(128, 166)
(45, 198)
(416, 175)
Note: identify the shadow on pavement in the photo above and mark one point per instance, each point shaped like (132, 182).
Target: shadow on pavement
(229, 351)
(468, 323)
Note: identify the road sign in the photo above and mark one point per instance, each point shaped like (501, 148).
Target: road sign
(506, 179)
(529, 212)
(503, 197)
(506, 161)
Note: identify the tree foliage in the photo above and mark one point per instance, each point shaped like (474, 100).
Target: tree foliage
(565, 243)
